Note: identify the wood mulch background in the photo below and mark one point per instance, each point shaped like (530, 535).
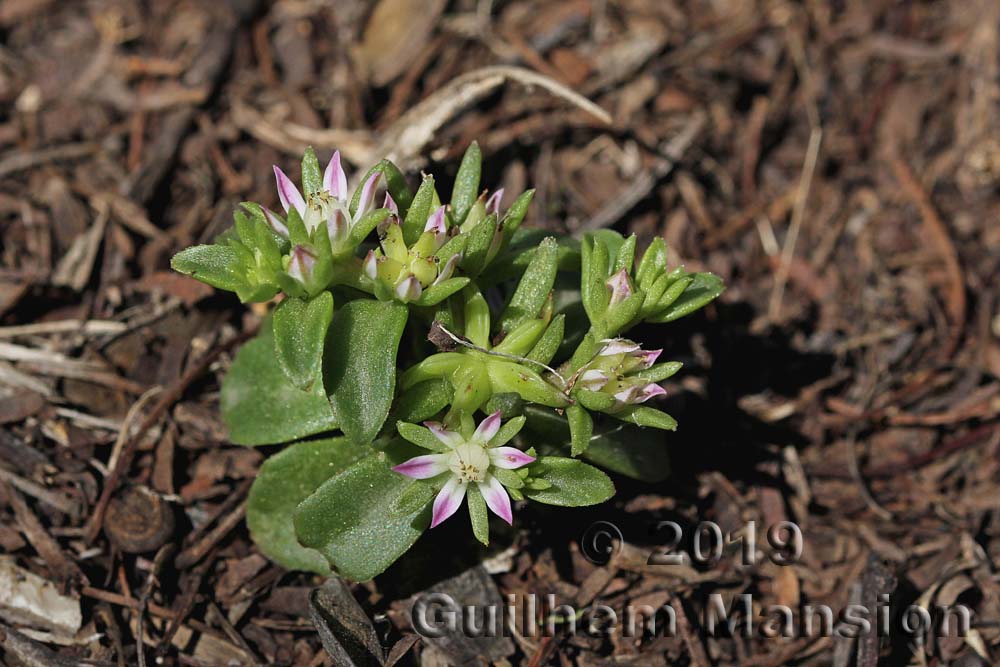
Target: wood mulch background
(836, 163)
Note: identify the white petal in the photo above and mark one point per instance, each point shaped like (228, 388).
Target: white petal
(423, 467)
(449, 438)
(448, 500)
(496, 498)
(487, 429)
(334, 178)
(509, 458)
(288, 194)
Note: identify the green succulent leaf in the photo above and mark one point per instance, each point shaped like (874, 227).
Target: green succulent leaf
(312, 176)
(284, 481)
(420, 436)
(261, 407)
(515, 215)
(660, 372)
(215, 265)
(435, 294)
(423, 401)
(508, 376)
(350, 518)
(299, 335)
(642, 415)
(360, 364)
(418, 212)
(481, 242)
(478, 514)
(704, 289)
(414, 498)
(535, 286)
(548, 345)
(638, 453)
(573, 483)
(467, 183)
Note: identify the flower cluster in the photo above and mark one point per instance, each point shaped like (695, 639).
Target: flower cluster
(524, 336)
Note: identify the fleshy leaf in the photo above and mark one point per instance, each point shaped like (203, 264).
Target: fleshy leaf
(478, 514)
(261, 407)
(350, 518)
(534, 288)
(419, 211)
(285, 480)
(463, 196)
(581, 428)
(573, 483)
(423, 401)
(702, 291)
(643, 415)
(215, 265)
(420, 436)
(359, 364)
(299, 335)
(435, 294)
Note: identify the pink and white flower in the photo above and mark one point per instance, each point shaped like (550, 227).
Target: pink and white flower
(330, 205)
(467, 461)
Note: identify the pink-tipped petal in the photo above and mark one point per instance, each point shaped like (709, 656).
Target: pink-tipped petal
(449, 438)
(493, 203)
(509, 458)
(448, 269)
(618, 346)
(409, 289)
(647, 357)
(390, 204)
(276, 224)
(436, 223)
(448, 500)
(337, 226)
(423, 467)
(636, 395)
(367, 195)
(334, 178)
(593, 380)
(288, 194)
(487, 429)
(496, 498)
(371, 265)
(300, 267)
(620, 287)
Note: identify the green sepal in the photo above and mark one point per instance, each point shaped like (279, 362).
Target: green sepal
(419, 211)
(508, 431)
(466, 189)
(478, 514)
(625, 255)
(312, 177)
(299, 335)
(420, 436)
(453, 246)
(642, 415)
(594, 400)
(368, 222)
(297, 232)
(509, 478)
(581, 428)
(621, 315)
(659, 372)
